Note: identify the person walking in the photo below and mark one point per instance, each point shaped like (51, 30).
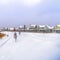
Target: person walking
(19, 30)
(15, 36)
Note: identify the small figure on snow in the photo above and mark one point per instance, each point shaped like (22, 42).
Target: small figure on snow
(19, 30)
(15, 36)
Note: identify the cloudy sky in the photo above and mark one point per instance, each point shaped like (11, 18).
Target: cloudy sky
(18, 12)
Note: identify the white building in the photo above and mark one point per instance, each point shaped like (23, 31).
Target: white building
(45, 28)
(49, 28)
(11, 28)
(41, 27)
(33, 27)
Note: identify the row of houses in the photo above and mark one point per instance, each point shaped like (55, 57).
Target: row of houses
(34, 28)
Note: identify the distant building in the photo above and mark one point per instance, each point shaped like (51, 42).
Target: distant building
(41, 28)
(22, 28)
(49, 29)
(57, 28)
(45, 28)
(12, 29)
(5, 29)
(33, 27)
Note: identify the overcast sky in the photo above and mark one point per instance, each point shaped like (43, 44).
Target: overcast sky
(17, 12)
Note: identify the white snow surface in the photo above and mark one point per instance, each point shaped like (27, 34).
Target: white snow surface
(30, 46)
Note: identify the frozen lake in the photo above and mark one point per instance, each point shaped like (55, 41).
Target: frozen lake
(30, 46)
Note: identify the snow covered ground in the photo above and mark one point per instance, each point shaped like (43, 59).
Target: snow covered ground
(30, 46)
